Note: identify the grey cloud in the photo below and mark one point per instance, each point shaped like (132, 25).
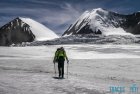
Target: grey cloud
(59, 14)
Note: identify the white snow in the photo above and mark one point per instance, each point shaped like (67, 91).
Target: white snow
(96, 22)
(40, 31)
(95, 55)
(115, 31)
(78, 54)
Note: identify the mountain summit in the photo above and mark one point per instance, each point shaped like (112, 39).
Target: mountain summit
(100, 21)
(24, 30)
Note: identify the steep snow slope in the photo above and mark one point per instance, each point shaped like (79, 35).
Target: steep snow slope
(99, 21)
(40, 31)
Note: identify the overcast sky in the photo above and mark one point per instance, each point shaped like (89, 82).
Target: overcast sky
(59, 14)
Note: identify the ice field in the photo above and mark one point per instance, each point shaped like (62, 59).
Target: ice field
(92, 69)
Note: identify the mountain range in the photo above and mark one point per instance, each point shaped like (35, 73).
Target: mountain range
(101, 21)
(96, 22)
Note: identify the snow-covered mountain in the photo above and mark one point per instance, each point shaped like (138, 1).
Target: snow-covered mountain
(24, 30)
(100, 21)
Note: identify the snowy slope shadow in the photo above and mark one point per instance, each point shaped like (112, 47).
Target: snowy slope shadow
(23, 69)
(58, 78)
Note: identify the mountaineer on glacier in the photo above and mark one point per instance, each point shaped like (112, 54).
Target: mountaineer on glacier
(60, 56)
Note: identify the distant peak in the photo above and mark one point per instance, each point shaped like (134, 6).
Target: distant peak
(17, 18)
(20, 18)
(86, 11)
(99, 9)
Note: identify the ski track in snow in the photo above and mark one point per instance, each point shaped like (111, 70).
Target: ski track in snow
(29, 70)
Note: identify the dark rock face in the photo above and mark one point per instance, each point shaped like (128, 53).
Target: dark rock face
(130, 23)
(15, 31)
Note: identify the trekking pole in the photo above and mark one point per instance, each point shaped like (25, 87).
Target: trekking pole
(67, 69)
(54, 69)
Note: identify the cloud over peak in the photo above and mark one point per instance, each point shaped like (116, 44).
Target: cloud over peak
(59, 14)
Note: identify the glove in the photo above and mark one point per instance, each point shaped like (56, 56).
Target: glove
(67, 61)
(54, 61)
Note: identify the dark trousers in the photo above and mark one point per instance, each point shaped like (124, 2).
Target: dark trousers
(61, 68)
